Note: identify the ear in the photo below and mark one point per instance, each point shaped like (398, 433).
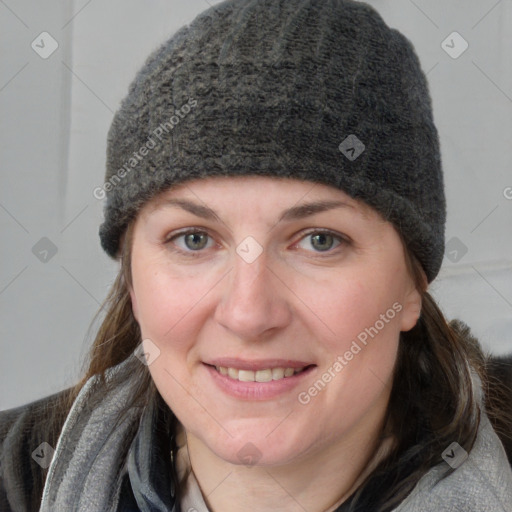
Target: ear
(411, 310)
(134, 304)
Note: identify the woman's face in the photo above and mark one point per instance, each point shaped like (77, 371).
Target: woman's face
(271, 310)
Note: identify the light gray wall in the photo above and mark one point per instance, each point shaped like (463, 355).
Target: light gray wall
(56, 112)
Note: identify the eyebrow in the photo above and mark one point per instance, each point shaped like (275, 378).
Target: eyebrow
(290, 214)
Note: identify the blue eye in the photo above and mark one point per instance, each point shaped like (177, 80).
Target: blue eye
(193, 241)
(322, 241)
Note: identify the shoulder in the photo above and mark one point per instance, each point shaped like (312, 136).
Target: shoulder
(29, 413)
(28, 435)
(498, 388)
(482, 481)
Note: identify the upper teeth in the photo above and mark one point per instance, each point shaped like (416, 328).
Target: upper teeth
(260, 375)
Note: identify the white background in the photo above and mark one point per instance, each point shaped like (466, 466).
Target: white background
(55, 115)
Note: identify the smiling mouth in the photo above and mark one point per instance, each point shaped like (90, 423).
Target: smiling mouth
(265, 375)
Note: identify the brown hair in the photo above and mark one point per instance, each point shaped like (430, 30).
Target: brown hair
(433, 400)
(118, 335)
(432, 403)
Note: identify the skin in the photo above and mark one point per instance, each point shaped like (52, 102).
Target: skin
(305, 298)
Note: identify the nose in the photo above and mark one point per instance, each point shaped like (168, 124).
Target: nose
(255, 300)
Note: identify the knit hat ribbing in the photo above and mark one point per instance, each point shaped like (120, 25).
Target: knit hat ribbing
(272, 87)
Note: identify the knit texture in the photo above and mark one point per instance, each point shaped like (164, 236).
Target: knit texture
(318, 90)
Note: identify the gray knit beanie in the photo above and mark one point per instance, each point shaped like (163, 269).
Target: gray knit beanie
(318, 90)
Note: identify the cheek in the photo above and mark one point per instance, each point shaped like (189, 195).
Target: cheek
(154, 303)
(357, 307)
(363, 333)
(167, 311)
(172, 303)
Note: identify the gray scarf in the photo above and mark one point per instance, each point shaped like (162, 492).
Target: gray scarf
(93, 454)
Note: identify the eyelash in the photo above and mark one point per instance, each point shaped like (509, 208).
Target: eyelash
(343, 240)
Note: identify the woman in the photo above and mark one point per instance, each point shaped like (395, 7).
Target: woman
(275, 199)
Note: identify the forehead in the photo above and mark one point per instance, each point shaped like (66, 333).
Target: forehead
(283, 192)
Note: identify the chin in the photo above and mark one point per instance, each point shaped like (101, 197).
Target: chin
(256, 448)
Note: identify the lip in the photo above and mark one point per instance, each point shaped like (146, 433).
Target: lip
(257, 391)
(257, 364)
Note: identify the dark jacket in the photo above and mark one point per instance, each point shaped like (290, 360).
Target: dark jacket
(28, 430)
(22, 430)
